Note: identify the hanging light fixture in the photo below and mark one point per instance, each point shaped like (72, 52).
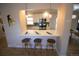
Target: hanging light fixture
(47, 14)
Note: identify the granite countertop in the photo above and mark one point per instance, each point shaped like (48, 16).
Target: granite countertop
(40, 33)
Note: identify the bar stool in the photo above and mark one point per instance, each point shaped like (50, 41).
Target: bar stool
(37, 43)
(50, 43)
(26, 42)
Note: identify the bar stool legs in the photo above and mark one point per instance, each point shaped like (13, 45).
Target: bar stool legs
(26, 43)
(50, 43)
(38, 45)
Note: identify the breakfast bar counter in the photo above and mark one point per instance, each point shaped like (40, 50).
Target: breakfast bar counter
(40, 33)
(43, 34)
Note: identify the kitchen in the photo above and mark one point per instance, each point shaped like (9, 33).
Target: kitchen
(16, 32)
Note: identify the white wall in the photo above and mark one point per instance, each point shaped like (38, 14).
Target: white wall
(12, 32)
(63, 27)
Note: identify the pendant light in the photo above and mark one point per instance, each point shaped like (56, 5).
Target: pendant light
(47, 14)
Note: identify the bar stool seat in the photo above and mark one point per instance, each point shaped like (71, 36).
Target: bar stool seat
(26, 42)
(37, 43)
(50, 43)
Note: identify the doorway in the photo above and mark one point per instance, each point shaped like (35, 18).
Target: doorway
(73, 48)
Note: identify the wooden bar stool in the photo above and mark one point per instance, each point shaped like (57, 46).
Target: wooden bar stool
(50, 43)
(37, 43)
(26, 42)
